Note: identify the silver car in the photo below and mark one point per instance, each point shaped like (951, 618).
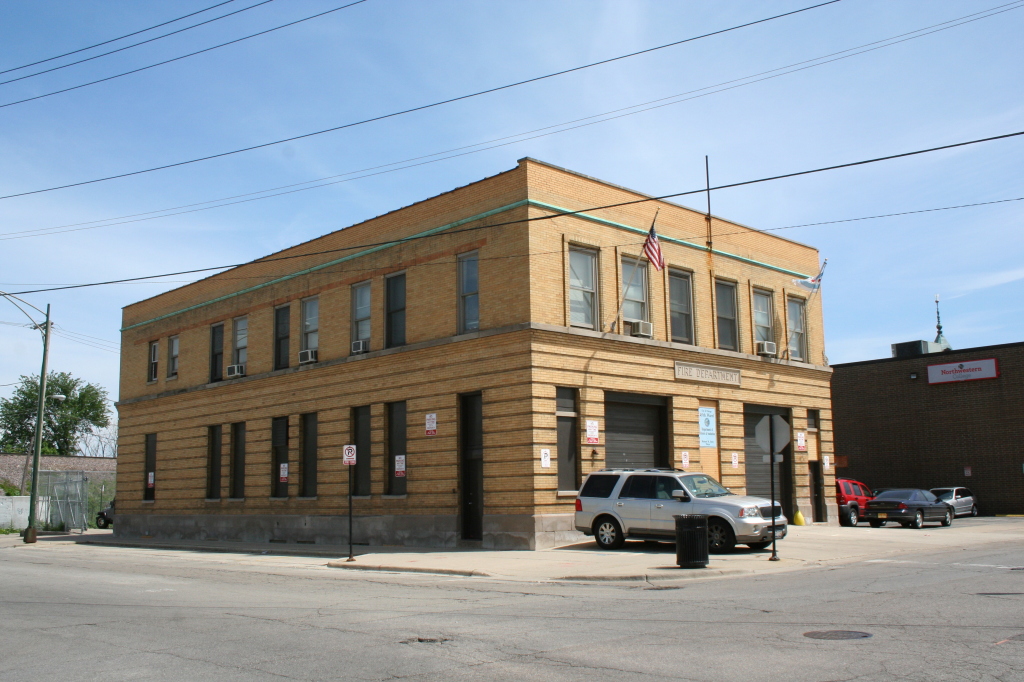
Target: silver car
(616, 504)
(963, 500)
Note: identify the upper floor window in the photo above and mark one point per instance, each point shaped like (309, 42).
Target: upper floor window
(469, 293)
(311, 324)
(154, 360)
(361, 312)
(240, 347)
(282, 335)
(725, 302)
(394, 320)
(763, 316)
(172, 357)
(582, 288)
(681, 306)
(797, 329)
(216, 352)
(634, 290)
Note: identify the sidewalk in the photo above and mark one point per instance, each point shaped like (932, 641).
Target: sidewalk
(804, 547)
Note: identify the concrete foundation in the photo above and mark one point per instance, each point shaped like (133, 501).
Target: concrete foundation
(14, 511)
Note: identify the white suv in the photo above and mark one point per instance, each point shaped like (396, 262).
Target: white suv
(615, 504)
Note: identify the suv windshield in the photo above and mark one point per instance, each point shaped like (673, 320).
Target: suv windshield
(705, 486)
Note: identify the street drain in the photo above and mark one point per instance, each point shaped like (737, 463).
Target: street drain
(837, 634)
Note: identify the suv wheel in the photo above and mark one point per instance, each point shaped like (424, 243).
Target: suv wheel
(102, 522)
(852, 516)
(608, 533)
(720, 537)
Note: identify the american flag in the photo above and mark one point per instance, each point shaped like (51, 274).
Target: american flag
(652, 249)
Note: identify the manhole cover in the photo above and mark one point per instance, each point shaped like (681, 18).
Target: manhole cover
(426, 640)
(837, 634)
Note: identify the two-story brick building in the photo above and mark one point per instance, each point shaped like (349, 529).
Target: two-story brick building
(483, 352)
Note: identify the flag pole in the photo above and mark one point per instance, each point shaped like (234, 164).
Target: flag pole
(632, 275)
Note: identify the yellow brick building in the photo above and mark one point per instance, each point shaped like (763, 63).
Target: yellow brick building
(483, 351)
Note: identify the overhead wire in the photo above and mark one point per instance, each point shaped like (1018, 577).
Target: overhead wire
(659, 103)
(409, 110)
(551, 216)
(114, 40)
(184, 56)
(143, 42)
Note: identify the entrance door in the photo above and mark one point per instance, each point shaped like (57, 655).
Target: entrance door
(471, 465)
(635, 431)
(817, 491)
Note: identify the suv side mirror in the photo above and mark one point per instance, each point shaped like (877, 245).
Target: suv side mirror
(680, 495)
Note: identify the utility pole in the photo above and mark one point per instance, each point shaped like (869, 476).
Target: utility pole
(30, 532)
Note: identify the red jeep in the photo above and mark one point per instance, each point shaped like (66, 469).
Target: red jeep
(852, 497)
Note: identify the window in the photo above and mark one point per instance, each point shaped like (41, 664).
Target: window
(216, 352)
(309, 454)
(568, 439)
(599, 485)
(241, 341)
(634, 290)
(311, 324)
(394, 321)
(681, 306)
(172, 357)
(149, 470)
(213, 462)
(665, 486)
(725, 301)
(582, 288)
(639, 487)
(763, 316)
(282, 333)
(813, 418)
(361, 312)
(797, 330)
(361, 439)
(397, 435)
(154, 360)
(279, 457)
(469, 293)
(238, 460)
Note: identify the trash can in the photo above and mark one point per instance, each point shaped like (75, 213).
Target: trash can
(691, 540)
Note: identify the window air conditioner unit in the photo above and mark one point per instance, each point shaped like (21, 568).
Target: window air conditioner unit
(235, 371)
(642, 329)
(307, 356)
(361, 346)
(766, 348)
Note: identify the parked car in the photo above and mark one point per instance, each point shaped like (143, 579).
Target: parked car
(106, 517)
(911, 508)
(963, 500)
(852, 497)
(616, 504)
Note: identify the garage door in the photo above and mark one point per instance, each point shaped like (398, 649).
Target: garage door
(635, 433)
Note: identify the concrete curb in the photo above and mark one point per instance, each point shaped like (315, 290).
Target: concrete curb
(217, 549)
(683, 574)
(407, 569)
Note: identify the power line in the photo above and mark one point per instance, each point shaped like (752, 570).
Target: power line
(114, 40)
(546, 217)
(405, 111)
(502, 141)
(143, 42)
(184, 56)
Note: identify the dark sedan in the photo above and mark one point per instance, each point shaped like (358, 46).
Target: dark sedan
(909, 507)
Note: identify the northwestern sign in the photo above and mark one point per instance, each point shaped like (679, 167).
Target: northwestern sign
(714, 375)
(963, 371)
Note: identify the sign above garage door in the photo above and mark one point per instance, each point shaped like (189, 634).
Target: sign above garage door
(715, 375)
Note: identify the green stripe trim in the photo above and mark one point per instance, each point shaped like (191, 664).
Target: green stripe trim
(442, 228)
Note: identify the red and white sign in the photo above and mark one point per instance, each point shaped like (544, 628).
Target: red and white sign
(283, 473)
(967, 471)
(432, 424)
(963, 371)
(735, 460)
(686, 460)
(348, 455)
(593, 436)
(399, 466)
(801, 441)
(824, 461)
(151, 479)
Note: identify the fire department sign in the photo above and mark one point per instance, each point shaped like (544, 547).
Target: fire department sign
(715, 375)
(963, 371)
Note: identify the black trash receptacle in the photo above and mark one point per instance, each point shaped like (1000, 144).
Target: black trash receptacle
(691, 540)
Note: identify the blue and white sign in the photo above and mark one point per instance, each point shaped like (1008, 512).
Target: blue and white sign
(708, 427)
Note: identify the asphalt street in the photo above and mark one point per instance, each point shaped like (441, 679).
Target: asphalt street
(79, 612)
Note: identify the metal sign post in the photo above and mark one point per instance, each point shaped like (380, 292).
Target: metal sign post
(348, 458)
(772, 434)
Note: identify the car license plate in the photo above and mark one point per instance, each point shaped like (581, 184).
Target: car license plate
(883, 515)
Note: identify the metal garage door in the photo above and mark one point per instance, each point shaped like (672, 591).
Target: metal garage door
(634, 431)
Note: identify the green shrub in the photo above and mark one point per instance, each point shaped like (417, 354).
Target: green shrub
(9, 488)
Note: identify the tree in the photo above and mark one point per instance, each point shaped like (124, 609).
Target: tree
(64, 423)
(100, 442)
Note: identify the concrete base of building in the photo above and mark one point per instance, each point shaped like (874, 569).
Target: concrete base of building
(500, 531)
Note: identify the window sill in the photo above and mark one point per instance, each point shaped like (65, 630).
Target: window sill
(278, 499)
(566, 414)
(306, 498)
(149, 502)
(172, 378)
(812, 430)
(212, 499)
(235, 499)
(393, 497)
(362, 497)
(567, 493)
(151, 382)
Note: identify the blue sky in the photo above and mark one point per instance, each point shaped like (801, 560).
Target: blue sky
(386, 55)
